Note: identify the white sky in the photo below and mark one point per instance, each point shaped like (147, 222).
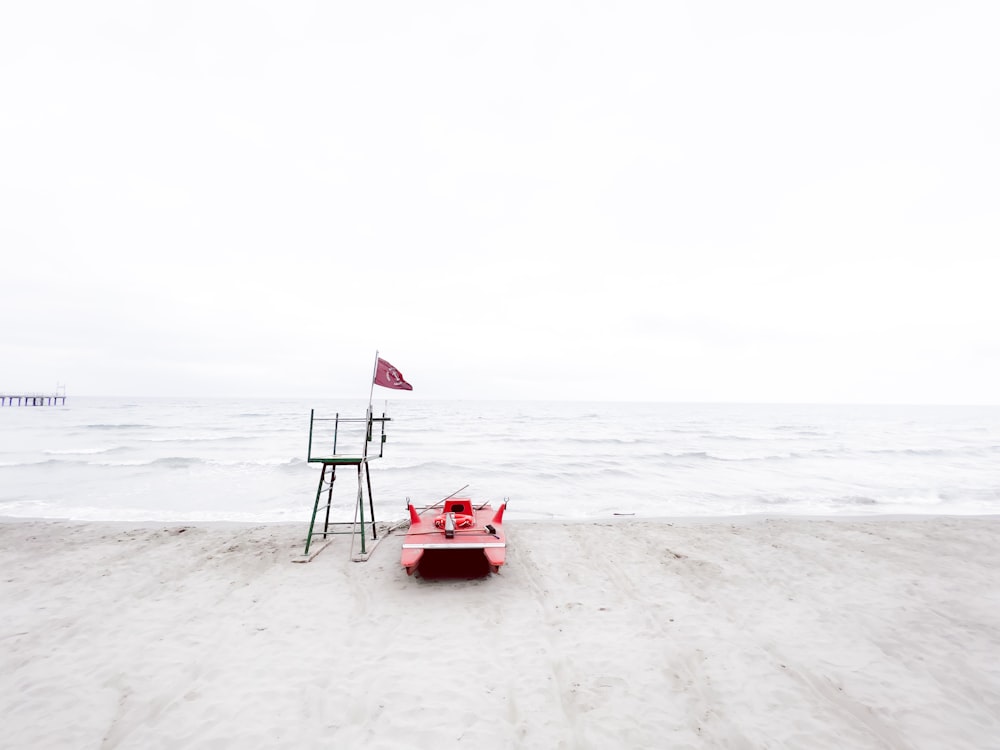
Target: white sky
(735, 201)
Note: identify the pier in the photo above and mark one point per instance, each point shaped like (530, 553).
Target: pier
(34, 399)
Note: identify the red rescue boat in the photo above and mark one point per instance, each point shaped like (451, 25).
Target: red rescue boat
(459, 526)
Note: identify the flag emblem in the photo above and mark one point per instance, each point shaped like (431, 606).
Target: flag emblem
(388, 376)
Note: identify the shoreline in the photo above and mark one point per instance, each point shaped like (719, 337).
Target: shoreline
(749, 518)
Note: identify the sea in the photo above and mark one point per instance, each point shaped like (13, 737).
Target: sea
(246, 460)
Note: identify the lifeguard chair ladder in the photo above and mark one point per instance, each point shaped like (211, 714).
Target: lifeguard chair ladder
(361, 525)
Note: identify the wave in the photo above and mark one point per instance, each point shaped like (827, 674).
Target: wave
(86, 451)
(176, 462)
(632, 462)
(123, 426)
(706, 455)
(196, 439)
(886, 501)
(424, 466)
(799, 432)
(168, 462)
(827, 454)
(184, 462)
(814, 504)
(43, 462)
(917, 451)
(70, 462)
(856, 500)
(601, 440)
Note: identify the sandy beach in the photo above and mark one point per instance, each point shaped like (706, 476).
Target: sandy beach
(781, 633)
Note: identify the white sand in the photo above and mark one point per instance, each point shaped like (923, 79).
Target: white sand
(759, 634)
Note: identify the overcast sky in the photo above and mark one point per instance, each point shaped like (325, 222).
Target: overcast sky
(676, 201)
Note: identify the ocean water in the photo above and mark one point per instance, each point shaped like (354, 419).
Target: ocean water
(245, 460)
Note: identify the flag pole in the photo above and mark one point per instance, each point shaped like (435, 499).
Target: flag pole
(368, 418)
(371, 391)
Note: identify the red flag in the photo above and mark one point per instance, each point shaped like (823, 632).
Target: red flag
(388, 376)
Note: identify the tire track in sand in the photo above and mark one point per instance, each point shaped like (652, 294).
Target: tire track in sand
(533, 575)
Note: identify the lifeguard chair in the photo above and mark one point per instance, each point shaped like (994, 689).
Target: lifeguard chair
(332, 430)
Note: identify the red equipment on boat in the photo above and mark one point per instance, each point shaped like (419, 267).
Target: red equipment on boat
(460, 526)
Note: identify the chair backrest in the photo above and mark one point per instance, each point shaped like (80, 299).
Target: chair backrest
(458, 505)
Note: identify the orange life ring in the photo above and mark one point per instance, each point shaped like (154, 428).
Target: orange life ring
(462, 521)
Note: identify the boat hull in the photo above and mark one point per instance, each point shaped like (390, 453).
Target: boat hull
(429, 533)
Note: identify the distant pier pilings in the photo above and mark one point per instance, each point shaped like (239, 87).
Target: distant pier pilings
(32, 399)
